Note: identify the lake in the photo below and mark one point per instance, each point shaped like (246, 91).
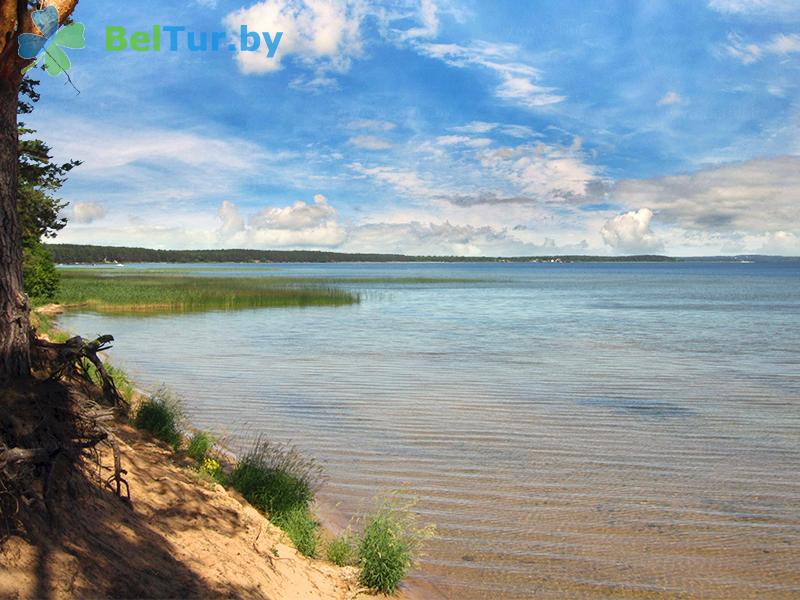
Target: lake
(581, 430)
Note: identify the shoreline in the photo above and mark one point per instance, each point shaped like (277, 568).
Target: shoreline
(331, 521)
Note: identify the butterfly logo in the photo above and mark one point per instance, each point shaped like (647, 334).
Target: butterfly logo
(49, 44)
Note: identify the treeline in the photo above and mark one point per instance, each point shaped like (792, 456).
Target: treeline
(84, 254)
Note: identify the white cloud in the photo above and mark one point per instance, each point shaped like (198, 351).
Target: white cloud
(404, 180)
(370, 142)
(541, 170)
(746, 53)
(462, 140)
(429, 21)
(295, 217)
(323, 34)
(756, 196)
(517, 80)
(374, 124)
(87, 212)
(784, 44)
(517, 131)
(630, 233)
(298, 225)
(782, 243)
(776, 8)
(232, 221)
(750, 52)
(669, 99)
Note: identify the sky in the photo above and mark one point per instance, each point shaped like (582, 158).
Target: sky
(447, 127)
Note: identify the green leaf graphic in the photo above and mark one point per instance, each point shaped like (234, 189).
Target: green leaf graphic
(71, 36)
(55, 61)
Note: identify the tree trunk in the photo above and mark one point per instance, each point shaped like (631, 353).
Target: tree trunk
(14, 310)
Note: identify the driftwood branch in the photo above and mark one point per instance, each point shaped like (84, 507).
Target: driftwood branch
(117, 478)
(72, 353)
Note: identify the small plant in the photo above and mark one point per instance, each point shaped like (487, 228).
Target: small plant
(161, 414)
(212, 468)
(276, 478)
(301, 528)
(199, 446)
(340, 550)
(388, 545)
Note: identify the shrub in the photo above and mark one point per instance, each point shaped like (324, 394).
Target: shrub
(301, 528)
(39, 274)
(387, 548)
(161, 415)
(340, 551)
(275, 478)
(199, 446)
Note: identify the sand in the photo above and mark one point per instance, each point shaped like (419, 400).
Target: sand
(181, 537)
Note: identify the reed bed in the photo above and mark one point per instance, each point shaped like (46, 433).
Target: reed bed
(145, 294)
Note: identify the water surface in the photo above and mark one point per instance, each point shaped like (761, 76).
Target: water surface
(582, 429)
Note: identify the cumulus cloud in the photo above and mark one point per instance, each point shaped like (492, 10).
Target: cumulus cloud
(297, 216)
(370, 142)
(298, 225)
(232, 221)
(630, 233)
(756, 196)
(87, 212)
(783, 243)
(448, 239)
(323, 34)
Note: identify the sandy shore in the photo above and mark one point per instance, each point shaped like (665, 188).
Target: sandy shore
(180, 538)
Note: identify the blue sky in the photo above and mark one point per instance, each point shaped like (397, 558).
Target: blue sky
(439, 127)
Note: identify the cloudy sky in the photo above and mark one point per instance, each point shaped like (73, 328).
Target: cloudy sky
(439, 127)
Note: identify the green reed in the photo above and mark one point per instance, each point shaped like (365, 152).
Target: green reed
(109, 293)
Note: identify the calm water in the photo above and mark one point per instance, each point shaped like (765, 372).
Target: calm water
(579, 430)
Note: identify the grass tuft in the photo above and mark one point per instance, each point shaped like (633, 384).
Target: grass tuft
(341, 551)
(302, 529)
(276, 478)
(388, 546)
(161, 414)
(200, 444)
(281, 482)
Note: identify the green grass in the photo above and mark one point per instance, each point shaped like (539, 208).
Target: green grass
(340, 550)
(161, 414)
(199, 445)
(281, 482)
(276, 478)
(388, 546)
(121, 379)
(161, 294)
(302, 529)
(45, 325)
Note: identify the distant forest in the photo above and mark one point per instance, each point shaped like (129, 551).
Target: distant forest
(81, 254)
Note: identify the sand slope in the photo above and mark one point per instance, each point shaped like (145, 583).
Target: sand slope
(182, 538)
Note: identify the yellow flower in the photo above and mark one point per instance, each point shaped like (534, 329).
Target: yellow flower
(210, 465)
